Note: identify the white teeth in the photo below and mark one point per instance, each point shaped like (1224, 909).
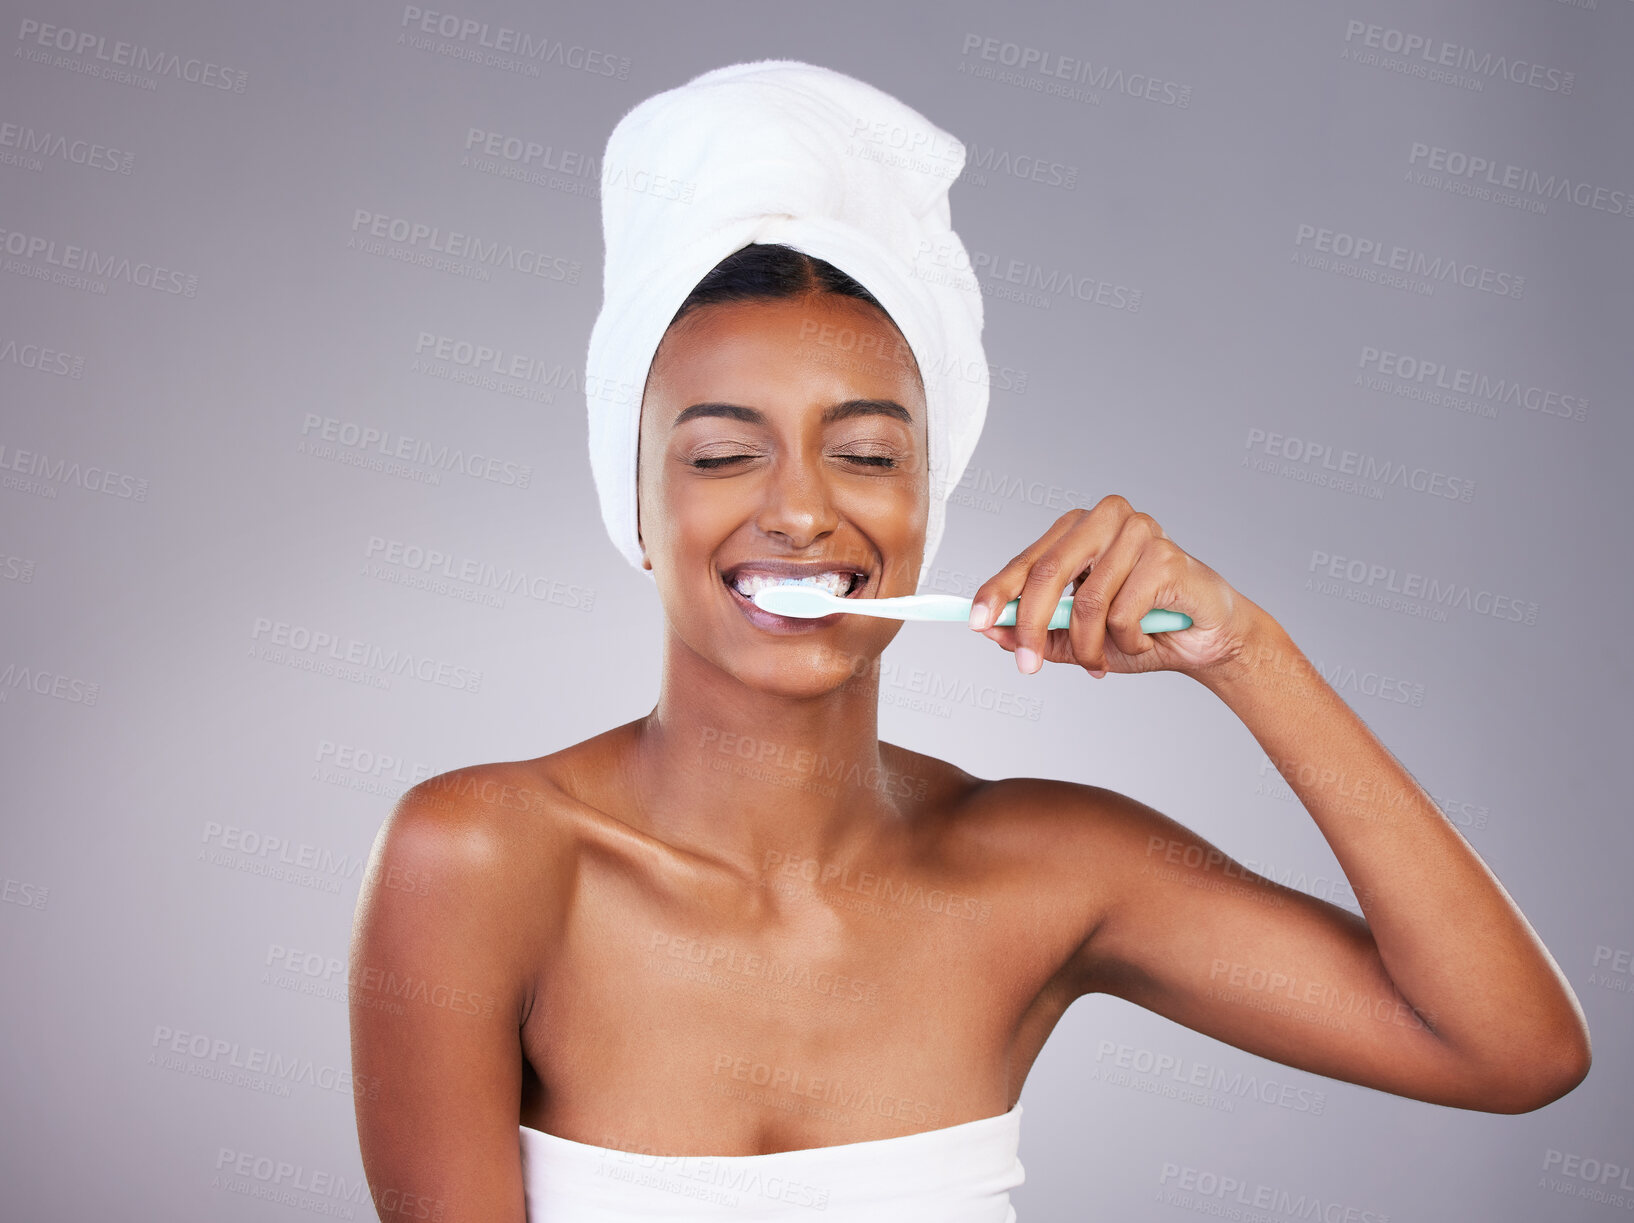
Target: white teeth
(836, 582)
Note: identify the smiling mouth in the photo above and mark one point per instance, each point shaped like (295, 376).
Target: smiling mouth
(842, 583)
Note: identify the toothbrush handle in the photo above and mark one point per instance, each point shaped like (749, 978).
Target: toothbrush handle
(1158, 620)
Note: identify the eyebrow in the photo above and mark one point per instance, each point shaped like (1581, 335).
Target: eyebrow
(843, 410)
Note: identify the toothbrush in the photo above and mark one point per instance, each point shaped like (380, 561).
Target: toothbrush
(806, 601)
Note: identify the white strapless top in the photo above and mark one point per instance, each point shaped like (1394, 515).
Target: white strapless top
(956, 1174)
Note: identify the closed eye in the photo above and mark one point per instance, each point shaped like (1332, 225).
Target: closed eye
(871, 460)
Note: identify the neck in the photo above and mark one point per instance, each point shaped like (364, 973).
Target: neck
(761, 770)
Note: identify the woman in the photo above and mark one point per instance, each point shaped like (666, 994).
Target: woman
(742, 927)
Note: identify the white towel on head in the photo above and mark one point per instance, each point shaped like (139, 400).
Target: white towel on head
(786, 152)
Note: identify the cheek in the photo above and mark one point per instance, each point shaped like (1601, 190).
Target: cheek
(895, 505)
(694, 514)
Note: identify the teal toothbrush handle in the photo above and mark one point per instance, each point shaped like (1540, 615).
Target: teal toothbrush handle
(1158, 620)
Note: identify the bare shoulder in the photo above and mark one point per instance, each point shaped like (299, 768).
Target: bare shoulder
(1028, 815)
(476, 812)
(1104, 842)
(1057, 863)
(1033, 827)
(527, 798)
(488, 840)
(518, 824)
(1075, 855)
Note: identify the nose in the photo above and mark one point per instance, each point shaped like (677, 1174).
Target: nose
(797, 501)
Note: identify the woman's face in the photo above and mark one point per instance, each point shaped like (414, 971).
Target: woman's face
(783, 432)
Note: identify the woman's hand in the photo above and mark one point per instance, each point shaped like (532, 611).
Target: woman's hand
(1121, 564)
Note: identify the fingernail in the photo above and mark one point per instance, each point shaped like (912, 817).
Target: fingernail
(1026, 659)
(978, 616)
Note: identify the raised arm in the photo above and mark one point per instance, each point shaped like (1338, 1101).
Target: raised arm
(438, 995)
(1483, 1022)
(1442, 991)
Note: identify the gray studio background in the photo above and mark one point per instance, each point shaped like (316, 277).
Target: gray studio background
(1190, 301)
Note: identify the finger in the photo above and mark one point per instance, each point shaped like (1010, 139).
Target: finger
(1159, 572)
(1064, 561)
(1056, 646)
(999, 589)
(1095, 595)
